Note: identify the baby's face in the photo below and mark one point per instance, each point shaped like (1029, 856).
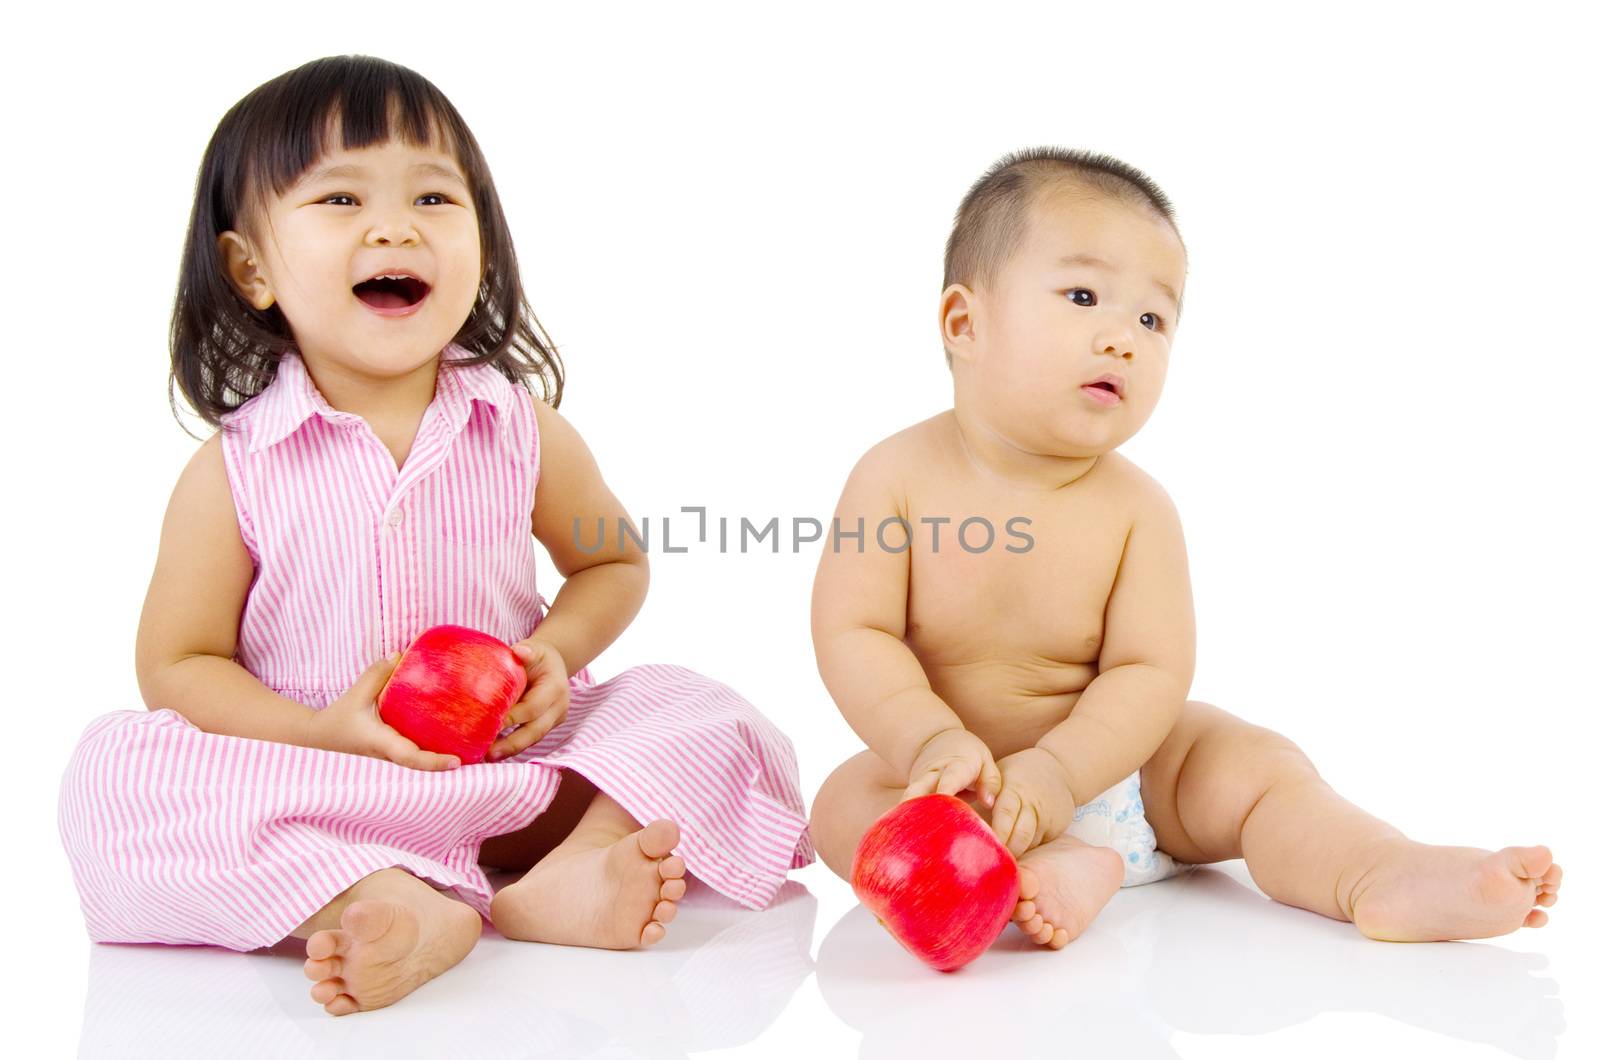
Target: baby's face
(1093, 291)
(355, 215)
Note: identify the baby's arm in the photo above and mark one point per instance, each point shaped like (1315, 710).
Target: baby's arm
(189, 628)
(858, 622)
(1146, 659)
(604, 587)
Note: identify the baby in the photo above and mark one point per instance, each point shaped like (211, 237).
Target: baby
(1013, 622)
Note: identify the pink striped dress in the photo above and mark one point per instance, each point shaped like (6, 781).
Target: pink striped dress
(180, 836)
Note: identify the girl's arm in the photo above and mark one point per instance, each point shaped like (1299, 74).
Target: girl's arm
(604, 587)
(189, 627)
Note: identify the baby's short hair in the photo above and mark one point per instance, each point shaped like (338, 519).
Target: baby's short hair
(993, 217)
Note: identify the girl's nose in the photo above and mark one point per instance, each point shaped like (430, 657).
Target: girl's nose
(392, 231)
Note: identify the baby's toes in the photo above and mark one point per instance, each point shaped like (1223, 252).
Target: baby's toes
(1552, 879)
(671, 868)
(663, 912)
(672, 890)
(1531, 862)
(1536, 919)
(1024, 912)
(652, 934)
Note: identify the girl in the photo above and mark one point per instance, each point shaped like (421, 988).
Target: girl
(349, 315)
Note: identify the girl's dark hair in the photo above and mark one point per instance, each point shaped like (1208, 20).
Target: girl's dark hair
(224, 350)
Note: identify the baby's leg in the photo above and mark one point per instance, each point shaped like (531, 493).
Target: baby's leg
(1065, 883)
(1220, 788)
(609, 883)
(380, 939)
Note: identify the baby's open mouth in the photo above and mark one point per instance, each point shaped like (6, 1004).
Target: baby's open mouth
(391, 292)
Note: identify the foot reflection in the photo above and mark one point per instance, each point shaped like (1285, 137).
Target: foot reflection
(1199, 954)
(722, 975)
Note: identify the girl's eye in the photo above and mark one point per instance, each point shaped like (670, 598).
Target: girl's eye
(1158, 322)
(429, 195)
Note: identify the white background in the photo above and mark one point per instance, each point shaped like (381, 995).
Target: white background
(1379, 423)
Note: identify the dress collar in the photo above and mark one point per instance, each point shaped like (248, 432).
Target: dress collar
(292, 397)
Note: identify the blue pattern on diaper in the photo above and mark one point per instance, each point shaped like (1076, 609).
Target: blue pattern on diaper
(1116, 819)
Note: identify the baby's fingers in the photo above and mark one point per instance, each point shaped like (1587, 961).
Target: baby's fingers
(1007, 806)
(958, 777)
(1027, 826)
(924, 783)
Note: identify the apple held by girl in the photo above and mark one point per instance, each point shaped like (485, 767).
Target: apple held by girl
(451, 691)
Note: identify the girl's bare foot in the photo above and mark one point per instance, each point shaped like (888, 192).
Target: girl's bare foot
(392, 937)
(1065, 884)
(616, 896)
(1419, 893)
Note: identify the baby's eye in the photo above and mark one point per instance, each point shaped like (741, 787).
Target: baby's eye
(1159, 323)
(435, 195)
(339, 196)
(1073, 294)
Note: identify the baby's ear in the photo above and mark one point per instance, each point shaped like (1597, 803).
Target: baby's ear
(955, 321)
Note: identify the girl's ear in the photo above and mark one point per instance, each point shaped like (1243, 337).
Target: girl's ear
(956, 322)
(243, 271)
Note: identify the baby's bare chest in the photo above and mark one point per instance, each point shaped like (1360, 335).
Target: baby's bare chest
(1011, 578)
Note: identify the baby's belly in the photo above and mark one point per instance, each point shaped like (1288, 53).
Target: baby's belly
(1009, 704)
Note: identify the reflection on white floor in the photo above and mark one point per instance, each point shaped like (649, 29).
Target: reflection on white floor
(1199, 954)
(1167, 969)
(719, 979)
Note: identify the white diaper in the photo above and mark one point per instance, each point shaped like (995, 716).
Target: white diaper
(1115, 819)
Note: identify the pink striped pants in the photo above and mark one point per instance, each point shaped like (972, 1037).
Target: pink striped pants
(185, 837)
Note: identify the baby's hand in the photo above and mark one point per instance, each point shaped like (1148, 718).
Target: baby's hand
(953, 761)
(543, 704)
(1035, 803)
(351, 724)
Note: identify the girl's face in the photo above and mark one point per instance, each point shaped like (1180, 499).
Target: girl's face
(355, 215)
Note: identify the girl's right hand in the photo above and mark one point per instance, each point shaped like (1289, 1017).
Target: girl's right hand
(351, 724)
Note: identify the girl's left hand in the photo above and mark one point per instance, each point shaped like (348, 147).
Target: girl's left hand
(543, 704)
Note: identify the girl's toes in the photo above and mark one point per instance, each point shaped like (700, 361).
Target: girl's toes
(1546, 899)
(672, 890)
(652, 934)
(1058, 939)
(342, 1005)
(664, 912)
(672, 868)
(1537, 918)
(1024, 912)
(325, 969)
(326, 990)
(657, 839)
(1552, 879)
(325, 944)
(1028, 883)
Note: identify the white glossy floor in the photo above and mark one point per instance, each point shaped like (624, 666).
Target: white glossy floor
(1199, 966)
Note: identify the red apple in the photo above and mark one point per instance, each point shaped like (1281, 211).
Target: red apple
(935, 875)
(451, 690)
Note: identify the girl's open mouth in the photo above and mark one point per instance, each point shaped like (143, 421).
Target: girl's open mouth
(391, 295)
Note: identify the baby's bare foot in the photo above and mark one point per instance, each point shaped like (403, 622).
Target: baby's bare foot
(1065, 884)
(384, 948)
(1420, 893)
(616, 897)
